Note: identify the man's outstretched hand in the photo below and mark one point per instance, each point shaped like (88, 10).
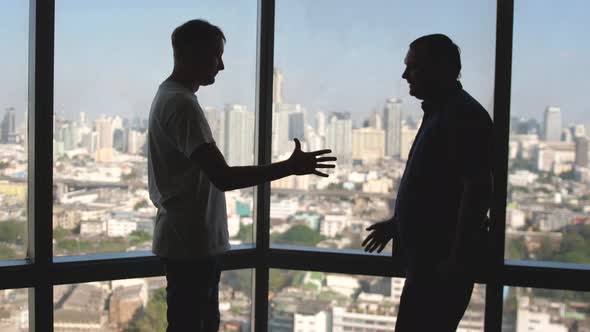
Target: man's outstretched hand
(382, 233)
(302, 163)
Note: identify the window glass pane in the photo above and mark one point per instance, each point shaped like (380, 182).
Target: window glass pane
(548, 182)
(140, 304)
(338, 85)
(308, 301)
(14, 310)
(13, 128)
(109, 61)
(547, 310)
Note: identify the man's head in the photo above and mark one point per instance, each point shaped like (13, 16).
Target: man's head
(198, 50)
(433, 64)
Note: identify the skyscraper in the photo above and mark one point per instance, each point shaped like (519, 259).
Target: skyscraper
(83, 119)
(282, 130)
(552, 124)
(376, 120)
(277, 87)
(582, 151)
(368, 144)
(104, 146)
(239, 135)
(320, 118)
(296, 125)
(120, 139)
(9, 126)
(135, 141)
(339, 136)
(408, 134)
(211, 116)
(392, 120)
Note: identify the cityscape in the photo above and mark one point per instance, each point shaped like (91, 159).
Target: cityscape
(101, 204)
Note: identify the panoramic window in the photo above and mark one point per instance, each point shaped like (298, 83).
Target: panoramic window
(105, 79)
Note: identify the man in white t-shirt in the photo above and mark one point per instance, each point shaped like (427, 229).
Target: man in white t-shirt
(188, 176)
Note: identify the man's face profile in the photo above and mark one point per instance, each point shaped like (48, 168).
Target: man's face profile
(418, 75)
(204, 64)
(211, 62)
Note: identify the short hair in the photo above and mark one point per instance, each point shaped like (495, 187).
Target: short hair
(440, 50)
(199, 33)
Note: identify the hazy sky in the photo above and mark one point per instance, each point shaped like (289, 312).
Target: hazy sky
(336, 55)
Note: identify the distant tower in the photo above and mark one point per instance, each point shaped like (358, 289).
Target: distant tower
(339, 135)
(211, 116)
(296, 125)
(9, 126)
(392, 121)
(83, 119)
(375, 120)
(552, 124)
(239, 135)
(320, 118)
(368, 144)
(104, 144)
(582, 151)
(277, 87)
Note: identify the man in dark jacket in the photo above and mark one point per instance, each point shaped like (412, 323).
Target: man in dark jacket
(444, 193)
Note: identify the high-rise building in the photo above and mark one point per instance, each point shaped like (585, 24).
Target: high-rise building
(83, 119)
(239, 135)
(552, 124)
(392, 121)
(9, 126)
(339, 136)
(376, 120)
(408, 134)
(578, 130)
(277, 87)
(120, 139)
(296, 125)
(136, 141)
(211, 116)
(104, 148)
(315, 141)
(320, 118)
(89, 141)
(67, 137)
(368, 144)
(282, 129)
(582, 151)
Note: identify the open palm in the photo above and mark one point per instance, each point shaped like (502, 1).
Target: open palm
(303, 163)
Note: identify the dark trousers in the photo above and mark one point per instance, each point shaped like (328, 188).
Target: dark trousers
(192, 295)
(432, 304)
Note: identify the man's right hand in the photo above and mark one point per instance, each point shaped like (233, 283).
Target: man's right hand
(303, 163)
(382, 233)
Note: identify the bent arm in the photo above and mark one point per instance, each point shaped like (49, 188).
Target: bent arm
(474, 205)
(227, 178)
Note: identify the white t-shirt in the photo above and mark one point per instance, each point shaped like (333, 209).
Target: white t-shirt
(192, 217)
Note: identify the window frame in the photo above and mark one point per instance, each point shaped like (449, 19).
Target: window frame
(41, 270)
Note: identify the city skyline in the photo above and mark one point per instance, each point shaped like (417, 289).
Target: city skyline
(336, 66)
(82, 76)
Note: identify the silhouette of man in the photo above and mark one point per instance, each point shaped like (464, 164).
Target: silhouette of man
(188, 176)
(444, 193)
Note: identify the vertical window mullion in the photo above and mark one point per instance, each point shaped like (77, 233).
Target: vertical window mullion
(264, 77)
(502, 83)
(40, 159)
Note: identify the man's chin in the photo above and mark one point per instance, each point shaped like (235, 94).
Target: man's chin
(208, 82)
(415, 94)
